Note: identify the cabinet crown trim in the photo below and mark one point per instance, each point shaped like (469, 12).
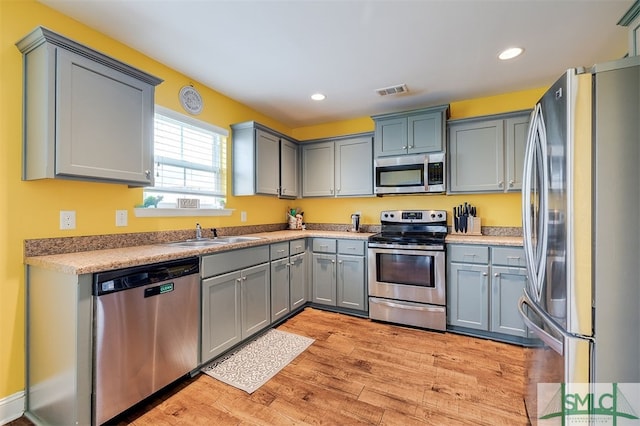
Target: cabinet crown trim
(42, 35)
(499, 116)
(439, 108)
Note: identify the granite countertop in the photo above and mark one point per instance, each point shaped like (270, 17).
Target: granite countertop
(491, 240)
(88, 262)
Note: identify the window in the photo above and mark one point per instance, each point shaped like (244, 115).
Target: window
(190, 160)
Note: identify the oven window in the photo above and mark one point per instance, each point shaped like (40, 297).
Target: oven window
(392, 176)
(405, 269)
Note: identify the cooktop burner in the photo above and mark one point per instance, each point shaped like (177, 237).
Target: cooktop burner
(424, 228)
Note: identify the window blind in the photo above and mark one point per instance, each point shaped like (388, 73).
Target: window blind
(189, 159)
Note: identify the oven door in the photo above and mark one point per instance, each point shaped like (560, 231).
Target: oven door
(409, 275)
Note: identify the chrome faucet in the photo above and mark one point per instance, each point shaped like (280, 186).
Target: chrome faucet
(198, 231)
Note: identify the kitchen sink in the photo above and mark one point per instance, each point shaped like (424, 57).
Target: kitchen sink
(203, 242)
(198, 242)
(232, 240)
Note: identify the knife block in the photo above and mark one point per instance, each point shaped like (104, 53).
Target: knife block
(476, 229)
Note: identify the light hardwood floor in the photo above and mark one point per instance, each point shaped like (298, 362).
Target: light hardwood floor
(360, 372)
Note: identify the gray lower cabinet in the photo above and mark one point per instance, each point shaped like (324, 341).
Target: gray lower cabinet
(341, 167)
(468, 286)
(486, 154)
(288, 277)
(235, 305)
(339, 273)
(483, 287)
(87, 116)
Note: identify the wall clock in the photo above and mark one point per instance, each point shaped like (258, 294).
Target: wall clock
(191, 100)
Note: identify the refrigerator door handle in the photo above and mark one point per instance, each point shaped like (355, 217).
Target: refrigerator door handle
(555, 344)
(526, 200)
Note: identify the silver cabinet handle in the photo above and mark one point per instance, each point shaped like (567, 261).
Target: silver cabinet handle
(147, 174)
(333, 261)
(239, 280)
(405, 147)
(280, 251)
(500, 184)
(496, 275)
(511, 182)
(484, 274)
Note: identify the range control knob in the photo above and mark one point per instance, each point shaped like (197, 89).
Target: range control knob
(440, 215)
(433, 215)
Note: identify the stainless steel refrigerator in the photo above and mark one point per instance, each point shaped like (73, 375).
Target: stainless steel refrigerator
(581, 214)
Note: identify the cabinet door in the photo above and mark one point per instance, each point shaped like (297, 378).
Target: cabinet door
(318, 170)
(516, 129)
(288, 169)
(279, 289)
(468, 295)
(507, 285)
(324, 279)
(424, 133)
(220, 314)
(104, 122)
(476, 153)
(297, 281)
(391, 136)
(351, 282)
(354, 167)
(256, 312)
(267, 163)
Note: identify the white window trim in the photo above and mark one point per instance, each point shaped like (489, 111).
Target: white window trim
(176, 212)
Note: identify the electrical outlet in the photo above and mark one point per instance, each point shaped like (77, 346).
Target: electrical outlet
(67, 219)
(243, 216)
(121, 218)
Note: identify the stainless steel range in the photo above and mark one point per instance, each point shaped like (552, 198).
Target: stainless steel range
(407, 269)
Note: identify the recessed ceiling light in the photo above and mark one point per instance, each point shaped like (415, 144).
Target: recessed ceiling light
(318, 97)
(510, 53)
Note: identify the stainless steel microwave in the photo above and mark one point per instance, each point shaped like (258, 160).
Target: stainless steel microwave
(410, 174)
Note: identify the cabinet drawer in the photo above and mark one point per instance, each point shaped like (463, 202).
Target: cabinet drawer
(351, 247)
(279, 250)
(468, 253)
(324, 245)
(233, 260)
(297, 246)
(508, 256)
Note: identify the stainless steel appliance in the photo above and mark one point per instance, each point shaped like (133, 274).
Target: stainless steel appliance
(580, 201)
(146, 323)
(407, 269)
(355, 222)
(410, 174)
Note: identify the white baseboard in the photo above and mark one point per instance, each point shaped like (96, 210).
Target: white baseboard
(11, 407)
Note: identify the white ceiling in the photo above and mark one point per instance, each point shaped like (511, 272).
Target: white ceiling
(272, 55)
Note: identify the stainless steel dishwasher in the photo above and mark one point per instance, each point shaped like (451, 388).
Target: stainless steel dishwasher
(146, 323)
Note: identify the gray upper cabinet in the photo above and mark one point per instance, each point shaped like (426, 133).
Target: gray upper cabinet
(411, 132)
(264, 161)
(340, 167)
(86, 115)
(289, 175)
(486, 154)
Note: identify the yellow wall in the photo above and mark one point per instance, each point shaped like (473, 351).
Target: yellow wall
(30, 209)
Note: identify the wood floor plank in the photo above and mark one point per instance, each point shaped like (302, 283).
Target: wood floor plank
(357, 372)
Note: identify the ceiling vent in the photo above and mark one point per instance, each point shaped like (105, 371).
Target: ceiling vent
(392, 90)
